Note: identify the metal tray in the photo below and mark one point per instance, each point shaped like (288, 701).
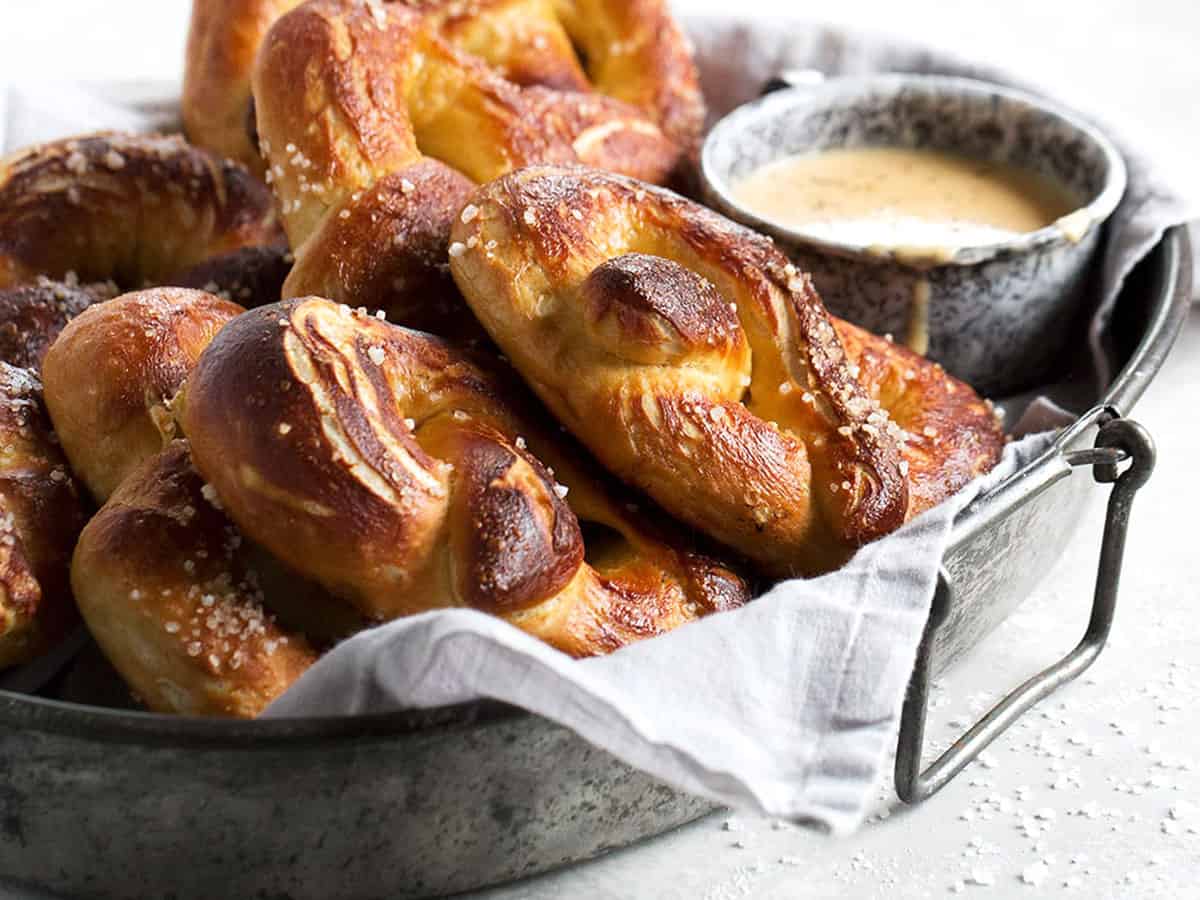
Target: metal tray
(116, 804)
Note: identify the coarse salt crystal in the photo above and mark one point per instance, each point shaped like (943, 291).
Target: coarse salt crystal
(407, 186)
(470, 211)
(376, 355)
(561, 490)
(457, 249)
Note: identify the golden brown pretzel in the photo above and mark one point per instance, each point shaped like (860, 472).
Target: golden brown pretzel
(113, 371)
(223, 39)
(371, 160)
(950, 434)
(166, 588)
(632, 50)
(131, 209)
(41, 512)
(383, 464)
(697, 363)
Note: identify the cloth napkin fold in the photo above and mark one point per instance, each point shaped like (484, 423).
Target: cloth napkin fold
(787, 706)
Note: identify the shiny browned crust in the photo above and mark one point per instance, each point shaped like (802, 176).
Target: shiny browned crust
(747, 423)
(33, 315)
(351, 155)
(951, 434)
(389, 252)
(128, 208)
(223, 39)
(162, 581)
(250, 276)
(387, 466)
(112, 373)
(635, 52)
(41, 512)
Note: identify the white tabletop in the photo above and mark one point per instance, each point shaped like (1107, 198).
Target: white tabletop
(1096, 793)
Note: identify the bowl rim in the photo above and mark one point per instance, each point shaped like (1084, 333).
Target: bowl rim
(1095, 212)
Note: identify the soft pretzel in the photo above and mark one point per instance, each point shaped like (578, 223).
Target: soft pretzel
(631, 50)
(163, 582)
(41, 512)
(371, 160)
(385, 465)
(131, 209)
(223, 39)
(697, 363)
(166, 584)
(950, 434)
(113, 371)
(32, 315)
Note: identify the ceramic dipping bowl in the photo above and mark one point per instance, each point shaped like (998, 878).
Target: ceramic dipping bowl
(996, 315)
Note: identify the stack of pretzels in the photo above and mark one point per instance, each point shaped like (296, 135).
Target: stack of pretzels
(414, 322)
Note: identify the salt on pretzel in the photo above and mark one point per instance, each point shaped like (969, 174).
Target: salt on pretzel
(387, 466)
(113, 371)
(132, 209)
(223, 39)
(164, 583)
(374, 158)
(697, 363)
(41, 512)
(631, 50)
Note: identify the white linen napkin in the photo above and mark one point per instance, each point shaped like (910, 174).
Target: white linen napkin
(787, 706)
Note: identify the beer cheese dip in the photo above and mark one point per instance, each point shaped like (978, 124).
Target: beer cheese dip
(927, 202)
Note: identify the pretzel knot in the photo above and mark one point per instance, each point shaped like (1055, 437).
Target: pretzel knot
(130, 209)
(41, 512)
(375, 127)
(386, 466)
(631, 51)
(697, 363)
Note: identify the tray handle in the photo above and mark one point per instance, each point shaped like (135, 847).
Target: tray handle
(1118, 440)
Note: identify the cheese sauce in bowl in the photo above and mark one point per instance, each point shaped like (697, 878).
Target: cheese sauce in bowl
(957, 215)
(924, 200)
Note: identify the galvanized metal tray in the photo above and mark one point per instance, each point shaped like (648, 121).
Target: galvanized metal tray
(121, 804)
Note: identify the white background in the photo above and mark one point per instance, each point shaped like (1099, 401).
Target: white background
(1123, 744)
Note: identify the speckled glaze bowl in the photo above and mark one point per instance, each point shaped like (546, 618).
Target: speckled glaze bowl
(995, 315)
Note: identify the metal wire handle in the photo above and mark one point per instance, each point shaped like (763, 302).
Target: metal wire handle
(1118, 440)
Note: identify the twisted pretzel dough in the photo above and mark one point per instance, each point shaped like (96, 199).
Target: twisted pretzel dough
(41, 512)
(113, 371)
(374, 158)
(164, 583)
(383, 464)
(632, 50)
(223, 39)
(132, 209)
(167, 586)
(697, 363)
